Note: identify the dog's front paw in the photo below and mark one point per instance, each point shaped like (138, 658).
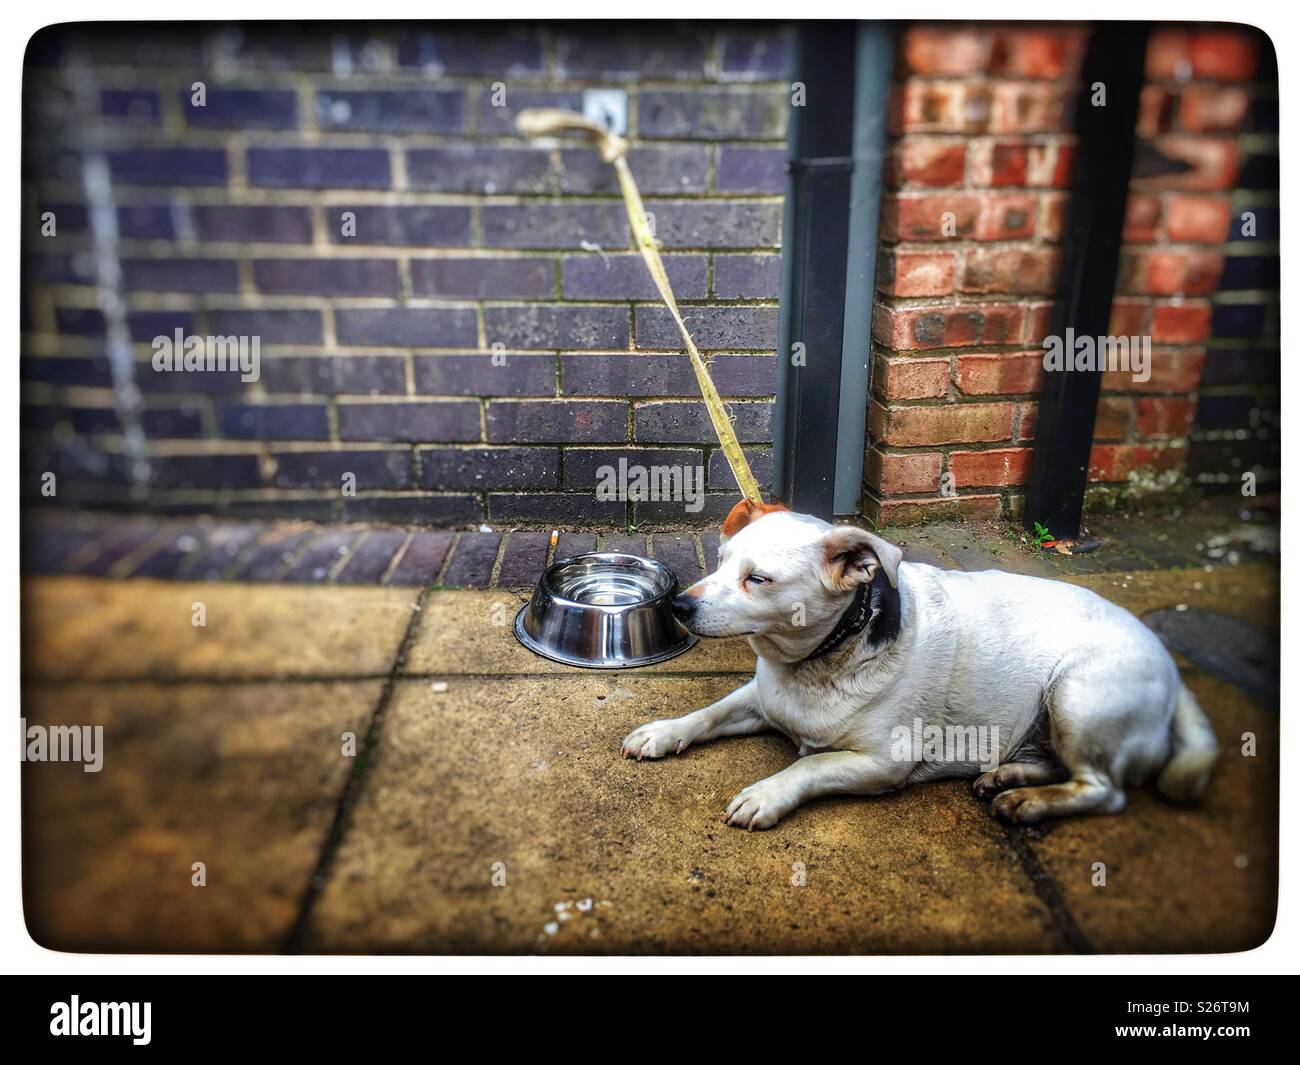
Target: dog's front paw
(655, 739)
(996, 780)
(760, 805)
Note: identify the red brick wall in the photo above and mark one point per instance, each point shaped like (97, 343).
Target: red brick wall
(1193, 105)
(977, 193)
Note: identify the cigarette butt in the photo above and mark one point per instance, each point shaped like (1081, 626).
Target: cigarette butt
(555, 537)
(439, 686)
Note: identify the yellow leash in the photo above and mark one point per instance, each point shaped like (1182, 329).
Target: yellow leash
(544, 121)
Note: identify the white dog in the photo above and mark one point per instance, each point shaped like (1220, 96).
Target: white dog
(860, 653)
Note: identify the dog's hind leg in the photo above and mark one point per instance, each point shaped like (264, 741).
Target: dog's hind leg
(1078, 796)
(732, 715)
(1108, 720)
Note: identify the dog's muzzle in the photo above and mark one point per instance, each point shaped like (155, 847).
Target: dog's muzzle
(683, 607)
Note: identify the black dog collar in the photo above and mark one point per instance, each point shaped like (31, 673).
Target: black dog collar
(852, 621)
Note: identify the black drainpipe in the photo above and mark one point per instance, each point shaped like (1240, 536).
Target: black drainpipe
(815, 250)
(1067, 408)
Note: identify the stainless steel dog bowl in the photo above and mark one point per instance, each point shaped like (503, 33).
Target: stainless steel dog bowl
(604, 611)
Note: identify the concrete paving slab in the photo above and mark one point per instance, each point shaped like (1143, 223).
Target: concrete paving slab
(87, 629)
(599, 855)
(470, 632)
(244, 778)
(517, 761)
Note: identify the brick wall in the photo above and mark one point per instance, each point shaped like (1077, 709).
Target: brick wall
(484, 339)
(378, 345)
(979, 161)
(1197, 99)
(1236, 429)
(979, 176)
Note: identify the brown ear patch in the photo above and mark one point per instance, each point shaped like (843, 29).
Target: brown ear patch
(744, 512)
(842, 560)
(853, 555)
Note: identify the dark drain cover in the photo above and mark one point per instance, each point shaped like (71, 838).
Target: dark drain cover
(1225, 647)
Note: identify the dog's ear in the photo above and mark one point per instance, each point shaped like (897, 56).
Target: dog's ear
(743, 513)
(853, 555)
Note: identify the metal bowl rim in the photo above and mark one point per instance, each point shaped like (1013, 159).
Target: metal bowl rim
(654, 600)
(526, 638)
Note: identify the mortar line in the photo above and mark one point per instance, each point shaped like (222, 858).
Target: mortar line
(1047, 890)
(446, 559)
(395, 561)
(352, 788)
(289, 563)
(346, 557)
(498, 559)
(126, 565)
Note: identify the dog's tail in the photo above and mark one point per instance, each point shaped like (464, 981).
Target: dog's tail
(1195, 750)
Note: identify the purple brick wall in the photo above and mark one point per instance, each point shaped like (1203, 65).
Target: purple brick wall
(449, 316)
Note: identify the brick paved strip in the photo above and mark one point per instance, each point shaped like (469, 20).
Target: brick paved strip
(370, 558)
(678, 554)
(570, 544)
(173, 554)
(272, 555)
(524, 559)
(118, 544)
(709, 543)
(422, 559)
(223, 546)
(471, 562)
(632, 545)
(46, 548)
(321, 557)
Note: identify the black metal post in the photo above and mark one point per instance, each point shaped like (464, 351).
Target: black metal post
(1114, 63)
(821, 168)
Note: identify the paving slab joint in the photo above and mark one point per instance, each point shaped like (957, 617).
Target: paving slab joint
(351, 793)
(1048, 891)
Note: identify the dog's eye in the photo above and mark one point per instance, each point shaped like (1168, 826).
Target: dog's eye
(754, 578)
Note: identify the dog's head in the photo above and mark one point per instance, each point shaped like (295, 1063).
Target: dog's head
(784, 576)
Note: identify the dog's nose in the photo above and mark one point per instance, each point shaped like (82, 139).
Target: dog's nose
(683, 607)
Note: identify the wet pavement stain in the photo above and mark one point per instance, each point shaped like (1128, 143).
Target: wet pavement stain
(1225, 647)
